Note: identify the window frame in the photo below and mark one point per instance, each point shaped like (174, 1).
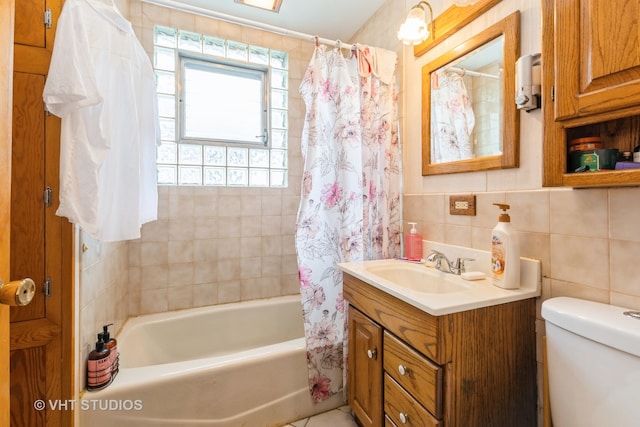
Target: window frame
(207, 62)
(203, 163)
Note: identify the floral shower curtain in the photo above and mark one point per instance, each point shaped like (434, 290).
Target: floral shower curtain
(452, 118)
(349, 208)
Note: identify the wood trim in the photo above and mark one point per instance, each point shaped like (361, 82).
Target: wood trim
(7, 14)
(450, 21)
(60, 259)
(510, 157)
(554, 157)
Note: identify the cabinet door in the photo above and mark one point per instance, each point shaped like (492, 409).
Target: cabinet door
(597, 56)
(365, 369)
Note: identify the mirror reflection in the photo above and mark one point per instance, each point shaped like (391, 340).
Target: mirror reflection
(469, 118)
(466, 95)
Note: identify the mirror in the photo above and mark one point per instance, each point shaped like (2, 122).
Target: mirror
(469, 117)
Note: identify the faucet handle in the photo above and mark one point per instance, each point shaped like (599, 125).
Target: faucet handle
(459, 265)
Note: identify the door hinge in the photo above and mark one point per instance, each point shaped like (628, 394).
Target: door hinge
(48, 197)
(48, 18)
(553, 93)
(47, 288)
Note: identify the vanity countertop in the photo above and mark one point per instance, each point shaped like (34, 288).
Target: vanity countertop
(443, 293)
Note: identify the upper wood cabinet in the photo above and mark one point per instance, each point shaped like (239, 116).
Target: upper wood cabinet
(590, 85)
(597, 56)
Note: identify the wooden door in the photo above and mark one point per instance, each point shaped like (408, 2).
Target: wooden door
(365, 369)
(40, 334)
(6, 69)
(597, 55)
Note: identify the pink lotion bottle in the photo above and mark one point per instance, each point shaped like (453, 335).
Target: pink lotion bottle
(413, 244)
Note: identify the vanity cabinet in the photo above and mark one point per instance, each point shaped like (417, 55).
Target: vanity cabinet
(365, 369)
(590, 85)
(474, 368)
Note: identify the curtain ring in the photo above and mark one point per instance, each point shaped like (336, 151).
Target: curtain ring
(338, 44)
(317, 40)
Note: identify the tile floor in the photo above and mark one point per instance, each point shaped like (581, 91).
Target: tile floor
(340, 417)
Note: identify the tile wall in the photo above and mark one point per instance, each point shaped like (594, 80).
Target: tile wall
(214, 245)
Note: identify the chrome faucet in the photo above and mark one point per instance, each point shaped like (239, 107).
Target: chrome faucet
(435, 258)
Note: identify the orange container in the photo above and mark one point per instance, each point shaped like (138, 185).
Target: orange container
(585, 144)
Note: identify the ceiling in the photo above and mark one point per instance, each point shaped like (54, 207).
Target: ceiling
(330, 19)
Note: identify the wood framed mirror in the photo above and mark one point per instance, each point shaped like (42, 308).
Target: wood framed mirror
(469, 118)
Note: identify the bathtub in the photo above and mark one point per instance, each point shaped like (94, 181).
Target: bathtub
(239, 364)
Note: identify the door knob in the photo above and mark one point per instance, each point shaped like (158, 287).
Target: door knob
(18, 292)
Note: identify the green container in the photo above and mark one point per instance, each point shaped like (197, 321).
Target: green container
(595, 159)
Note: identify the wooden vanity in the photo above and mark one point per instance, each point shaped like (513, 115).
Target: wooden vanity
(474, 368)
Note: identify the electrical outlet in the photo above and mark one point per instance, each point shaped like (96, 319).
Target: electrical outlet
(462, 204)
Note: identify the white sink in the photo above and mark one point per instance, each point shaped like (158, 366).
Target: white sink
(417, 277)
(440, 293)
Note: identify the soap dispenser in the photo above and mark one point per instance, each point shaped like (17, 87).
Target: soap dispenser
(413, 244)
(112, 345)
(99, 366)
(505, 252)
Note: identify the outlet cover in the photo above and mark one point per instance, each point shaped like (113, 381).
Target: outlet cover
(462, 204)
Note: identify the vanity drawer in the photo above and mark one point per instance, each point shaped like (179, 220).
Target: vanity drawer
(388, 422)
(403, 409)
(414, 372)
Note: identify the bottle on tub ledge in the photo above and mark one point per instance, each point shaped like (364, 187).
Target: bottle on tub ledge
(505, 252)
(112, 345)
(99, 366)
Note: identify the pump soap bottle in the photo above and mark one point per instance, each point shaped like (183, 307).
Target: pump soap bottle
(112, 345)
(413, 244)
(505, 252)
(99, 366)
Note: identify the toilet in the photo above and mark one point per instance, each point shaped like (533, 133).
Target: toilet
(593, 359)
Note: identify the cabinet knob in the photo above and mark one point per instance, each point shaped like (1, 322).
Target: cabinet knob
(372, 353)
(404, 418)
(403, 369)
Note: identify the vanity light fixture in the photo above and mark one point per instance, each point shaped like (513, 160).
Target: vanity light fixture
(414, 29)
(272, 5)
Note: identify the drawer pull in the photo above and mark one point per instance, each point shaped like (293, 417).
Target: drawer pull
(404, 418)
(403, 370)
(372, 353)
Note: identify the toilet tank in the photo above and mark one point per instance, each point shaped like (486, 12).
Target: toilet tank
(593, 359)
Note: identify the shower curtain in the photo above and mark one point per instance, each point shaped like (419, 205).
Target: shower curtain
(452, 118)
(349, 207)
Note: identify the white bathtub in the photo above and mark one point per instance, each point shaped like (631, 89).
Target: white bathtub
(240, 364)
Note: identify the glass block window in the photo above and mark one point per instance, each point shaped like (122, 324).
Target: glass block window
(251, 152)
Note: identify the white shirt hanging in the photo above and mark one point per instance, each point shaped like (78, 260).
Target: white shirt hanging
(102, 85)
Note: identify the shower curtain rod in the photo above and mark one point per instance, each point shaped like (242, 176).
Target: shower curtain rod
(247, 22)
(473, 73)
